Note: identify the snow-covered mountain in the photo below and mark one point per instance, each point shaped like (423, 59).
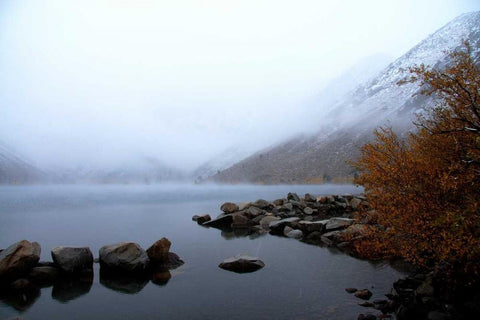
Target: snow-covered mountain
(350, 121)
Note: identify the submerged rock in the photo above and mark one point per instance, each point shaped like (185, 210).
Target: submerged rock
(202, 219)
(72, 259)
(126, 257)
(364, 294)
(242, 264)
(18, 259)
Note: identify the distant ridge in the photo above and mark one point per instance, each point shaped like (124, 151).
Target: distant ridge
(351, 120)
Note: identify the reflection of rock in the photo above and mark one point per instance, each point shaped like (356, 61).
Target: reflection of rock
(242, 264)
(44, 276)
(130, 284)
(71, 260)
(18, 259)
(160, 276)
(70, 288)
(22, 295)
(126, 257)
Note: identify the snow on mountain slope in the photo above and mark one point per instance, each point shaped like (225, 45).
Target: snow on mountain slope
(350, 121)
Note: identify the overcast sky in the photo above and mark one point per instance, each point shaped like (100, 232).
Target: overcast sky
(101, 82)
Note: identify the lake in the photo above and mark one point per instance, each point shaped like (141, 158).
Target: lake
(299, 281)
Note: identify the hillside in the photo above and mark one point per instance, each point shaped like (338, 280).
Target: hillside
(16, 170)
(350, 121)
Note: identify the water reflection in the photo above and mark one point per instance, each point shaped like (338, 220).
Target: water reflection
(69, 288)
(161, 276)
(129, 284)
(22, 299)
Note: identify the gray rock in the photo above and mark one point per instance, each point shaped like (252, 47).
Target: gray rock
(287, 207)
(126, 257)
(351, 290)
(254, 211)
(331, 238)
(364, 294)
(265, 222)
(308, 210)
(203, 218)
(279, 202)
(72, 259)
(276, 227)
(222, 221)
(18, 259)
(158, 252)
(195, 217)
(309, 198)
(240, 221)
(244, 205)
(262, 204)
(311, 226)
(286, 230)
(229, 207)
(338, 223)
(355, 203)
(242, 264)
(295, 234)
(293, 196)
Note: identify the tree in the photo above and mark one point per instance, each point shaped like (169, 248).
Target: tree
(425, 189)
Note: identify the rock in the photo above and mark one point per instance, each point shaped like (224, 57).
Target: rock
(195, 217)
(322, 199)
(331, 238)
(364, 294)
(366, 304)
(355, 203)
(229, 207)
(338, 223)
(351, 290)
(44, 276)
(309, 198)
(72, 259)
(204, 218)
(244, 205)
(293, 196)
(308, 210)
(18, 259)
(311, 226)
(287, 207)
(240, 221)
(267, 219)
(158, 252)
(223, 221)
(262, 204)
(366, 317)
(276, 227)
(425, 289)
(315, 237)
(254, 211)
(124, 257)
(295, 234)
(173, 261)
(242, 264)
(279, 202)
(286, 230)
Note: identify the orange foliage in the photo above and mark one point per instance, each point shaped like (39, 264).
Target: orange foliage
(425, 189)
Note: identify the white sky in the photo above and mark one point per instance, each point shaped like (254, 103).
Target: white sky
(99, 82)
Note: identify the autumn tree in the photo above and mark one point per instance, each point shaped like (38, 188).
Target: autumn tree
(425, 189)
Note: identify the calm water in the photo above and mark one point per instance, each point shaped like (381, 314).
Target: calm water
(299, 281)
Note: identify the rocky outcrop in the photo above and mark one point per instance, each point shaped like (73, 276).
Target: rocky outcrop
(242, 264)
(18, 259)
(229, 207)
(72, 259)
(124, 257)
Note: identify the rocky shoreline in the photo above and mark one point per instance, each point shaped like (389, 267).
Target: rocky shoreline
(330, 221)
(124, 267)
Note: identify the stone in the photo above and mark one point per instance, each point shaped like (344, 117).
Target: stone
(242, 264)
(244, 205)
(351, 290)
(203, 218)
(18, 259)
(254, 211)
(278, 202)
(331, 238)
(364, 294)
(295, 234)
(338, 223)
(355, 203)
(223, 221)
(240, 221)
(229, 207)
(72, 259)
(286, 230)
(308, 211)
(262, 204)
(267, 219)
(276, 227)
(311, 226)
(287, 207)
(293, 196)
(124, 257)
(158, 252)
(195, 217)
(309, 198)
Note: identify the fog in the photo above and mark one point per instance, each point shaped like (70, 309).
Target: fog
(101, 83)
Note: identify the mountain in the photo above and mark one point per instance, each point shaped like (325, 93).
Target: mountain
(350, 121)
(14, 169)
